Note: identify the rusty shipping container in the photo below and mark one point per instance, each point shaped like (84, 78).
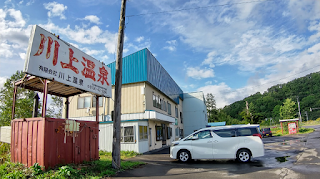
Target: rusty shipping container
(51, 142)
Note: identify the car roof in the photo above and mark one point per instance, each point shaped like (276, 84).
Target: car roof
(230, 127)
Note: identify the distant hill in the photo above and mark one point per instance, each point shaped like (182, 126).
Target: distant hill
(267, 105)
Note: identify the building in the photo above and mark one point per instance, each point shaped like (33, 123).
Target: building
(153, 112)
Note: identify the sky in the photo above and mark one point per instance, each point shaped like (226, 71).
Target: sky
(230, 48)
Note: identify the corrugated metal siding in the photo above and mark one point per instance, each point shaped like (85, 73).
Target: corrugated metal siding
(143, 66)
(161, 79)
(134, 68)
(41, 140)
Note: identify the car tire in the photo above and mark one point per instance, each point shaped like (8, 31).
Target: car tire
(184, 156)
(270, 135)
(243, 155)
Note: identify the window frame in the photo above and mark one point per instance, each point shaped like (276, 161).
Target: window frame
(84, 102)
(94, 102)
(169, 108)
(122, 134)
(143, 135)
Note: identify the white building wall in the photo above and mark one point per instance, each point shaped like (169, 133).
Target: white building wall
(106, 135)
(194, 112)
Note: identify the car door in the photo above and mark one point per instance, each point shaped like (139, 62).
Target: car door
(225, 144)
(202, 145)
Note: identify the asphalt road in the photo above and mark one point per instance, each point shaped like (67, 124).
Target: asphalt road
(294, 156)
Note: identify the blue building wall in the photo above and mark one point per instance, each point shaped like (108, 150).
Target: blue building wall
(142, 66)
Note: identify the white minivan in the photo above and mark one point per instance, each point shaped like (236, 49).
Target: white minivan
(241, 142)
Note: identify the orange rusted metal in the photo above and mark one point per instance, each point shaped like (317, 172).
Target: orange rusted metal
(45, 141)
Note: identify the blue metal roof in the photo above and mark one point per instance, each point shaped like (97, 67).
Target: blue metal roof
(142, 66)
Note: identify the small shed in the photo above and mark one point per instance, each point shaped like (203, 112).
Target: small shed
(296, 121)
(55, 67)
(49, 141)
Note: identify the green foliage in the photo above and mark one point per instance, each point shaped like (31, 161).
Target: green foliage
(211, 108)
(93, 169)
(267, 105)
(24, 102)
(287, 111)
(55, 108)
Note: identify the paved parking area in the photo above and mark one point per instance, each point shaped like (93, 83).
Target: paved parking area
(295, 156)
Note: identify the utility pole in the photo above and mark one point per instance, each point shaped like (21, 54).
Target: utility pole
(118, 82)
(299, 109)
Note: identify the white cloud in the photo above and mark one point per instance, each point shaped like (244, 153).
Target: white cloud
(139, 39)
(30, 2)
(90, 35)
(171, 45)
(105, 57)
(208, 83)
(2, 81)
(209, 60)
(92, 19)
(22, 56)
(197, 73)
(55, 9)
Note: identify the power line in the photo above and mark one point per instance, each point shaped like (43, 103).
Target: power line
(195, 8)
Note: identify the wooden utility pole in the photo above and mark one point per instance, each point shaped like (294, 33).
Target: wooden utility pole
(118, 83)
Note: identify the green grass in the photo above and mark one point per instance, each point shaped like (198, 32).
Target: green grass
(93, 169)
(276, 130)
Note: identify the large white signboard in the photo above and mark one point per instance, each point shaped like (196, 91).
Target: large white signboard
(51, 58)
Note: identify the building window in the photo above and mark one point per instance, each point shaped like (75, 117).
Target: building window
(94, 101)
(181, 133)
(84, 102)
(177, 132)
(143, 132)
(169, 134)
(176, 110)
(158, 102)
(154, 100)
(127, 134)
(159, 134)
(164, 105)
(181, 117)
(169, 108)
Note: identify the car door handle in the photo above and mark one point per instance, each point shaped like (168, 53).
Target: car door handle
(215, 141)
(209, 141)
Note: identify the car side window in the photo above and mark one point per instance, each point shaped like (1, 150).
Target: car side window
(225, 132)
(204, 134)
(244, 132)
(201, 135)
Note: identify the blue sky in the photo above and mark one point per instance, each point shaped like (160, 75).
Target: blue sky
(230, 48)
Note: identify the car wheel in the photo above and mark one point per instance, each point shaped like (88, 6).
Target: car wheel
(270, 135)
(243, 155)
(184, 156)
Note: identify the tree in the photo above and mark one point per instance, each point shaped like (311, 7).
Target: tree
(287, 111)
(211, 107)
(55, 108)
(24, 100)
